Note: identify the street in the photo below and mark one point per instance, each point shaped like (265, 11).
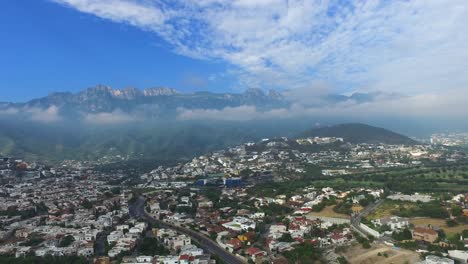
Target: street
(136, 210)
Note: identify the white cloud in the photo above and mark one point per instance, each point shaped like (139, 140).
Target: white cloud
(404, 46)
(43, 115)
(106, 118)
(9, 111)
(428, 105)
(47, 115)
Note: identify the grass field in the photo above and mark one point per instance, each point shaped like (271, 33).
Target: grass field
(328, 212)
(387, 208)
(424, 221)
(356, 208)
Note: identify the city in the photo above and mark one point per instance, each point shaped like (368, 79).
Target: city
(233, 132)
(271, 201)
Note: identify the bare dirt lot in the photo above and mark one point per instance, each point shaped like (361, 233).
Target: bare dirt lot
(388, 255)
(425, 221)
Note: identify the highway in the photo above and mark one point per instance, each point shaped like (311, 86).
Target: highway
(136, 210)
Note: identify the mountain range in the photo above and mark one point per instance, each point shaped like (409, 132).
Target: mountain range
(56, 127)
(162, 102)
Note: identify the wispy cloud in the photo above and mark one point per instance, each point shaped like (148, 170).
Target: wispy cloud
(106, 118)
(427, 105)
(47, 115)
(405, 46)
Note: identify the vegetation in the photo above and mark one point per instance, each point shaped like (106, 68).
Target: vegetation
(43, 260)
(151, 246)
(303, 254)
(433, 178)
(342, 260)
(276, 209)
(365, 243)
(164, 143)
(405, 234)
(431, 209)
(286, 237)
(360, 133)
(66, 241)
(343, 208)
(412, 245)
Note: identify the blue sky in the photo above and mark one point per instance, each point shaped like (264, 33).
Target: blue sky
(416, 48)
(46, 47)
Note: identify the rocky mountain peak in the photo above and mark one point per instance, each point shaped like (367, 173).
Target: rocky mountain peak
(158, 91)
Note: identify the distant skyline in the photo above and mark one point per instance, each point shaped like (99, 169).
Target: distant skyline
(415, 48)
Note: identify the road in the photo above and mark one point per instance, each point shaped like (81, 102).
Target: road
(136, 210)
(356, 219)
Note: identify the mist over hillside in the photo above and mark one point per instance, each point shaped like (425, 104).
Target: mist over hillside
(162, 123)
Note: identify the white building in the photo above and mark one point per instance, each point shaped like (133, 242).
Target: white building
(276, 231)
(114, 236)
(394, 222)
(168, 259)
(240, 224)
(431, 259)
(459, 255)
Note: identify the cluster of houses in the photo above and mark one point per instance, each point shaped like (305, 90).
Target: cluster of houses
(286, 158)
(61, 205)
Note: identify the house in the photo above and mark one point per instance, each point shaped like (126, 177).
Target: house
(184, 259)
(465, 212)
(101, 260)
(255, 253)
(22, 233)
(235, 244)
(22, 251)
(337, 238)
(425, 234)
(168, 259)
(86, 252)
(179, 241)
(114, 236)
(144, 259)
(191, 250)
(394, 222)
(276, 231)
(41, 252)
(282, 246)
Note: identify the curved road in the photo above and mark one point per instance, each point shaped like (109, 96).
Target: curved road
(137, 210)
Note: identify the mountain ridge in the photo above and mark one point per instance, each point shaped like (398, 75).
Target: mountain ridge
(165, 102)
(360, 133)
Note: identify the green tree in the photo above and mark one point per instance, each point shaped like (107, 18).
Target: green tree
(66, 241)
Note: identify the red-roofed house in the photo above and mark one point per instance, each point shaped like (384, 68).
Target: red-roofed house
(235, 243)
(425, 234)
(255, 253)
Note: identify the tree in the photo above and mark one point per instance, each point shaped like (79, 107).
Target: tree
(286, 237)
(456, 210)
(405, 234)
(115, 190)
(213, 235)
(66, 241)
(303, 254)
(451, 222)
(87, 204)
(151, 246)
(342, 260)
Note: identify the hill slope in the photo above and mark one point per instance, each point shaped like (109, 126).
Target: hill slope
(360, 133)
